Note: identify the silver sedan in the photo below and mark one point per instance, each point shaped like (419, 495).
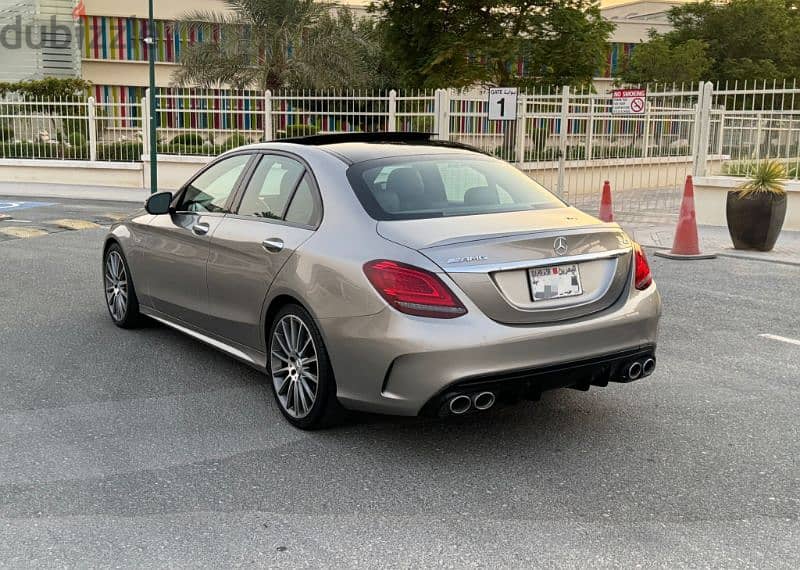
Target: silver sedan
(387, 273)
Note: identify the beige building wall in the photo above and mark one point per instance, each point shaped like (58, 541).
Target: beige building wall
(128, 73)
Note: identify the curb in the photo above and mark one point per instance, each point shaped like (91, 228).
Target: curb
(726, 254)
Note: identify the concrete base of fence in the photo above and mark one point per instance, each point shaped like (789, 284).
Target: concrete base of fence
(711, 195)
(117, 174)
(173, 171)
(585, 178)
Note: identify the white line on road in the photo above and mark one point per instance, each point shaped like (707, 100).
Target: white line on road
(781, 339)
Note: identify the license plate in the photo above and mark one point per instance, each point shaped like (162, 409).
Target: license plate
(555, 282)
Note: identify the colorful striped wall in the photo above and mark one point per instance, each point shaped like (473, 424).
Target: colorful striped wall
(618, 54)
(182, 108)
(122, 39)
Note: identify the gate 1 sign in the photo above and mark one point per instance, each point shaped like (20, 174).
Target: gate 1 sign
(628, 101)
(503, 104)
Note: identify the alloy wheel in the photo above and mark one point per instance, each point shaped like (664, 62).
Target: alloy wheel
(116, 281)
(294, 366)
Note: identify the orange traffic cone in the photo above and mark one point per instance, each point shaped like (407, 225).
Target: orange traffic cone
(687, 242)
(606, 209)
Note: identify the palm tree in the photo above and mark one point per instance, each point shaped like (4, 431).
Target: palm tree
(270, 44)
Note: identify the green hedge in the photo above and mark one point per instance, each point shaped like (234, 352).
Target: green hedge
(293, 131)
(188, 139)
(235, 141)
(123, 151)
(43, 150)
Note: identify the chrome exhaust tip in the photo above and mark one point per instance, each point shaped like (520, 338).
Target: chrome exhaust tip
(460, 405)
(483, 401)
(648, 367)
(635, 370)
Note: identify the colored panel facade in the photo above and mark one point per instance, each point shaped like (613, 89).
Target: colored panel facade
(122, 39)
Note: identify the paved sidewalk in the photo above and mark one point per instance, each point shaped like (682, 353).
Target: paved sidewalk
(67, 191)
(715, 239)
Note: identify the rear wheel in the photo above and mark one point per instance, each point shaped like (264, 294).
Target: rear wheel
(120, 294)
(301, 374)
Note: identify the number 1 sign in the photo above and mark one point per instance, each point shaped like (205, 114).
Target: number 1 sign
(503, 104)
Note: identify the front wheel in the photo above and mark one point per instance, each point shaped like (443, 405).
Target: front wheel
(120, 294)
(301, 373)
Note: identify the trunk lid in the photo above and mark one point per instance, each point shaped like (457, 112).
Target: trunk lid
(503, 261)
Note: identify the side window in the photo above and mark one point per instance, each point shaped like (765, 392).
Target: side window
(271, 187)
(210, 191)
(303, 210)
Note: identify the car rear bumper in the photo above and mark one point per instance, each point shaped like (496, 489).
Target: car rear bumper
(396, 364)
(530, 383)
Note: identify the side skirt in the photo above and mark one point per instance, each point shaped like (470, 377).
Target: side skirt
(241, 353)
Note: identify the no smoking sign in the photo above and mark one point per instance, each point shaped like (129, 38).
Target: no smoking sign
(628, 101)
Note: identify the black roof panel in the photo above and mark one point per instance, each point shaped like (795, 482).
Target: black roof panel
(359, 147)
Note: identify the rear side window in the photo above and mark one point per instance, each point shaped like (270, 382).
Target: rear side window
(304, 209)
(271, 187)
(445, 185)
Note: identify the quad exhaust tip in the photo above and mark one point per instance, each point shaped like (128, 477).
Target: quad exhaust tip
(460, 404)
(483, 401)
(648, 367)
(635, 370)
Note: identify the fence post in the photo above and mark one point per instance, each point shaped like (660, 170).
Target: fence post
(392, 120)
(759, 134)
(590, 129)
(646, 144)
(703, 129)
(521, 128)
(721, 133)
(145, 127)
(268, 116)
(92, 113)
(442, 114)
(562, 142)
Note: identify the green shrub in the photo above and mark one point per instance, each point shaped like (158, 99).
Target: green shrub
(235, 141)
(293, 131)
(75, 125)
(123, 151)
(76, 139)
(6, 134)
(76, 152)
(188, 139)
(31, 150)
(189, 150)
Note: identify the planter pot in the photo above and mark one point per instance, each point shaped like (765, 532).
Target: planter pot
(755, 221)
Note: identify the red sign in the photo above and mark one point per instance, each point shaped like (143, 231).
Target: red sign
(628, 101)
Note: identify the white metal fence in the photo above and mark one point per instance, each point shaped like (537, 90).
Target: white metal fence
(568, 140)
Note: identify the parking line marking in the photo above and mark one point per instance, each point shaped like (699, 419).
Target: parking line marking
(22, 232)
(781, 339)
(74, 224)
(114, 216)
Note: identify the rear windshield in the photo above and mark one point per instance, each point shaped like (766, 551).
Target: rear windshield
(415, 187)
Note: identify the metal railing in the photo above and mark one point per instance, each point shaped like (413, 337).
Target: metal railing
(569, 140)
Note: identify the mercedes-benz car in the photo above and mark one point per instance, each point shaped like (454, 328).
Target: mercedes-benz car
(388, 273)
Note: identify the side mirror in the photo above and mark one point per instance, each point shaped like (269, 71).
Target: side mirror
(158, 204)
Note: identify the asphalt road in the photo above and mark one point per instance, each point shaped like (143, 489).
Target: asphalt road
(145, 448)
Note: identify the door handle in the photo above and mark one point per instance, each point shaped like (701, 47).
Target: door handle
(201, 228)
(272, 245)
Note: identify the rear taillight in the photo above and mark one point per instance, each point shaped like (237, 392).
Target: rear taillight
(643, 276)
(412, 290)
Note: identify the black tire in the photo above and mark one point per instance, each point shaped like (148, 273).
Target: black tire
(130, 317)
(325, 411)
